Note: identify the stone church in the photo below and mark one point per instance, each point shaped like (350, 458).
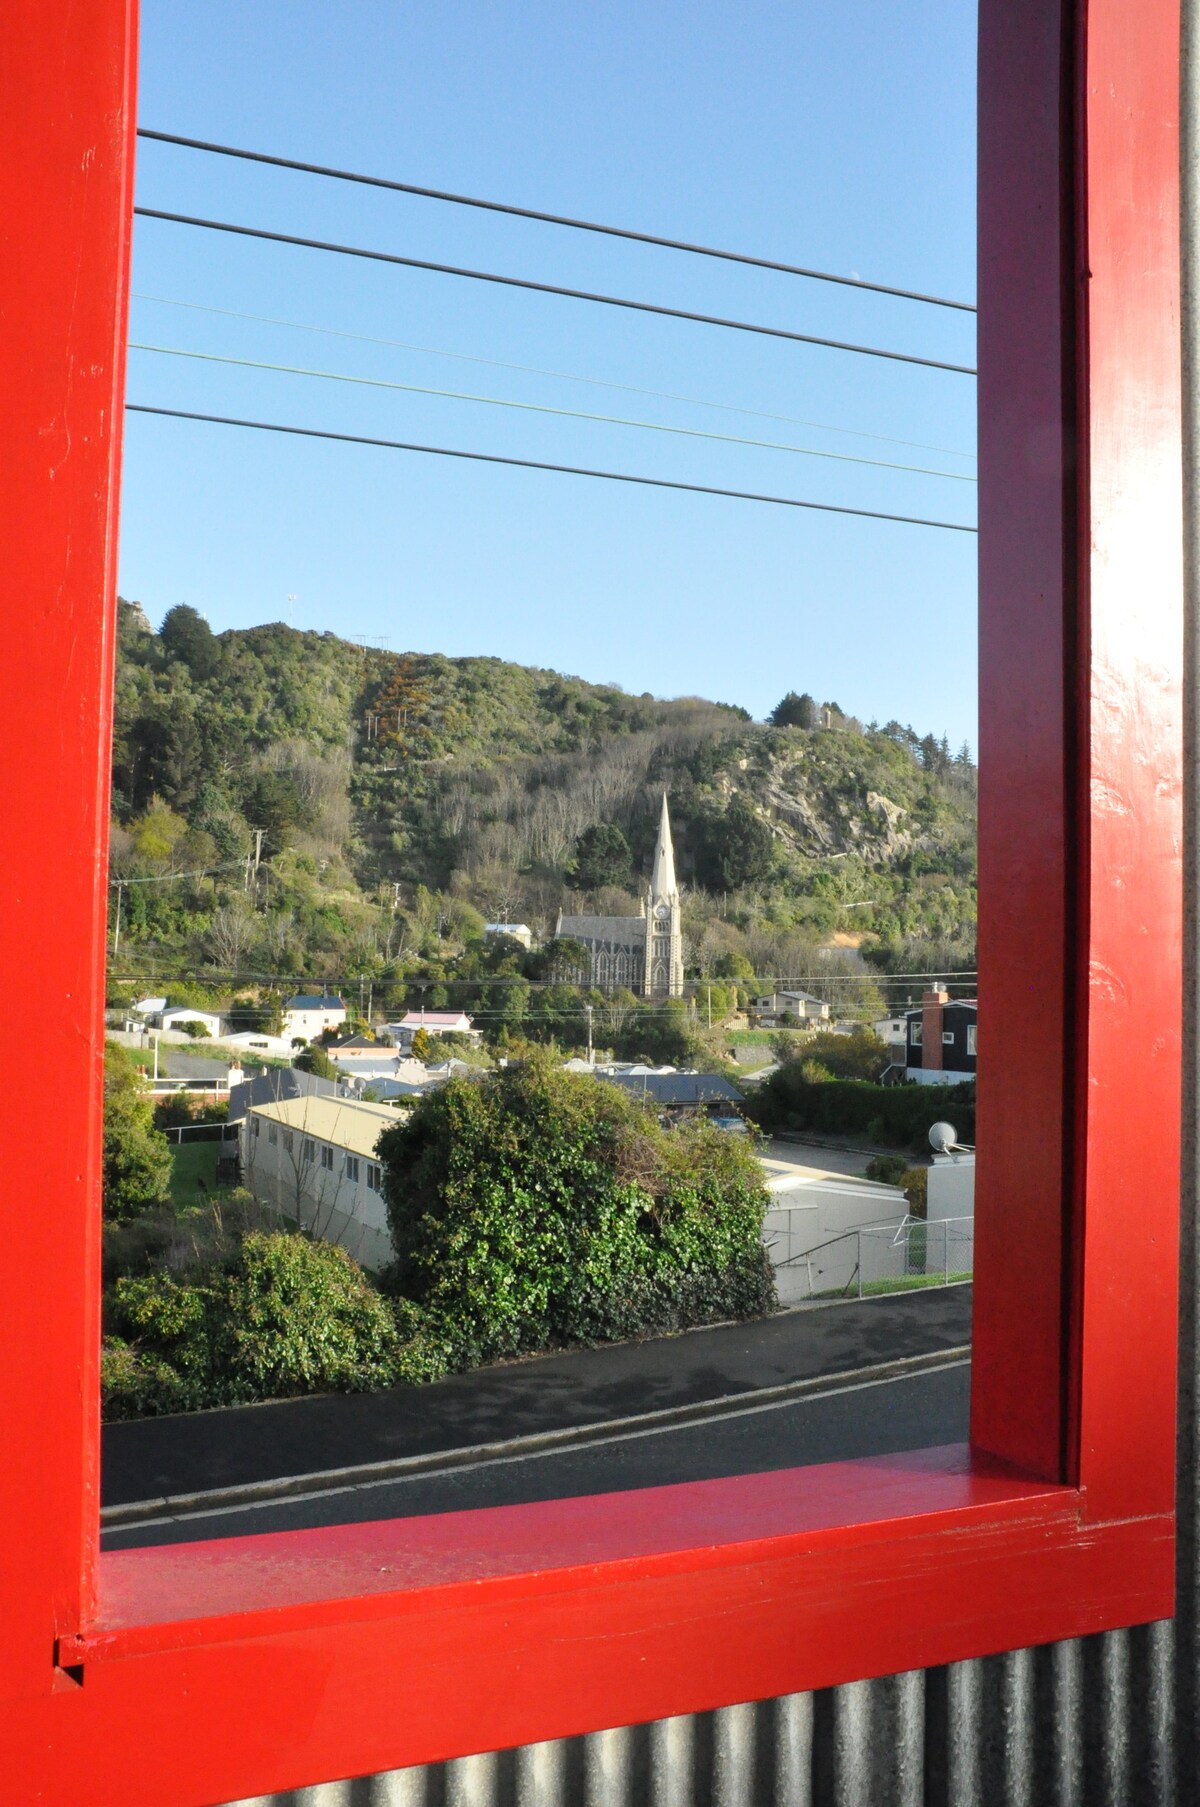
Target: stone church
(642, 952)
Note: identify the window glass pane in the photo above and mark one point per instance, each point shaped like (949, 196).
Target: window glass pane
(592, 860)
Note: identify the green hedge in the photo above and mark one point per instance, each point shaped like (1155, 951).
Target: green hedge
(897, 1116)
(534, 1208)
(283, 1316)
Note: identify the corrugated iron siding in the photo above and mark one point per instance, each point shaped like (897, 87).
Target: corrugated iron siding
(1100, 1722)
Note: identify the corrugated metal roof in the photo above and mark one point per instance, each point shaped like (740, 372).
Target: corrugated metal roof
(345, 1122)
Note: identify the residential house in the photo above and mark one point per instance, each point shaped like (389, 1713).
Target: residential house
(515, 931)
(168, 1020)
(312, 1159)
(434, 1022)
(252, 1042)
(310, 1013)
(940, 1040)
(770, 1011)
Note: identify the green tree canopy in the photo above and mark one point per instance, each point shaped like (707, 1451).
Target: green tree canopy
(794, 711)
(735, 849)
(137, 1156)
(187, 637)
(314, 1059)
(602, 857)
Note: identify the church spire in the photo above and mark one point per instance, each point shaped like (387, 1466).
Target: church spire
(662, 880)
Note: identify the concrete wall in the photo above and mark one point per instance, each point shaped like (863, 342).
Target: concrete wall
(951, 1187)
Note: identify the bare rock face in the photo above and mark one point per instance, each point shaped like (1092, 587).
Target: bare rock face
(817, 818)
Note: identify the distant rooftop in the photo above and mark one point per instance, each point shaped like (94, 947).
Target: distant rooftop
(314, 1000)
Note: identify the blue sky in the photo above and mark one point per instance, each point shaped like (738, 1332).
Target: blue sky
(840, 137)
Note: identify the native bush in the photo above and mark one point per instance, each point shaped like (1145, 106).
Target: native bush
(281, 1316)
(534, 1208)
(137, 1156)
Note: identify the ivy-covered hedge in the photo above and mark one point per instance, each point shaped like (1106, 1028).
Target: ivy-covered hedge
(534, 1208)
(898, 1116)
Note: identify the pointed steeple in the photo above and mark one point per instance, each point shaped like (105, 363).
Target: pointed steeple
(662, 879)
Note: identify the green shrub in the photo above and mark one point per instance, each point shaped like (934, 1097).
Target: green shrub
(887, 1169)
(535, 1208)
(137, 1156)
(279, 1316)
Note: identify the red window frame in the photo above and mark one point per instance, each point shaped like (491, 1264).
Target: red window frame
(208, 1672)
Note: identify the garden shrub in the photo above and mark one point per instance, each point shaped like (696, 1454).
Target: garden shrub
(282, 1315)
(534, 1208)
(886, 1169)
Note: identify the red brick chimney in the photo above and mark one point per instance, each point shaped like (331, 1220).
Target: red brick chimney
(931, 1026)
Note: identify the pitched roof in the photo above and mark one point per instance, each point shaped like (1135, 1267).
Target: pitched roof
(314, 1000)
(274, 1086)
(345, 1122)
(675, 1088)
(434, 1019)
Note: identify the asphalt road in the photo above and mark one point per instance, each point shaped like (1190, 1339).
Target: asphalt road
(882, 1417)
(199, 1451)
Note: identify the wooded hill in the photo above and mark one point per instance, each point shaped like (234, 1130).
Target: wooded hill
(405, 799)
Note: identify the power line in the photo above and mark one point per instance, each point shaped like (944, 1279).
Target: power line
(538, 464)
(565, 376)
(495, 401)
(553, 219)
(546, 288)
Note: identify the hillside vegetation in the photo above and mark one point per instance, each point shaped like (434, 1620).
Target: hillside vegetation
(404, 799)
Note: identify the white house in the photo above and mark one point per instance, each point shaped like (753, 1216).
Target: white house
(149, 1006)
(516, 931)
(434, 1022)
(310, 1013)
(800, 1004)
(251, 1042)
(167, 1020)
(312, 1159)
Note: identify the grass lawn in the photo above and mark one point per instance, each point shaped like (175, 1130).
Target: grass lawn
(903, 1283)
(192, 1162)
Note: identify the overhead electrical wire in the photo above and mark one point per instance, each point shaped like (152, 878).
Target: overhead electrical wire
(495, 401)
(538, 464)
(565, 376)
(551, 219)
(546, 288)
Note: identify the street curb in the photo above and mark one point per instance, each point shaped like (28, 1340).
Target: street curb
(134, 1512)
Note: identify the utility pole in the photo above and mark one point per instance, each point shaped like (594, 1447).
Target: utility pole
(587, 1011)
(117, 927)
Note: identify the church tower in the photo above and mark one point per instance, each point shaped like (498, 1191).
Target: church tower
(663, 970)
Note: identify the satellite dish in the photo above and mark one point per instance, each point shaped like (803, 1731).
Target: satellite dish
(942, 1137)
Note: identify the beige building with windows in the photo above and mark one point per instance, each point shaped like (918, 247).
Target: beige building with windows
(312, 1159)
(643, 953)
